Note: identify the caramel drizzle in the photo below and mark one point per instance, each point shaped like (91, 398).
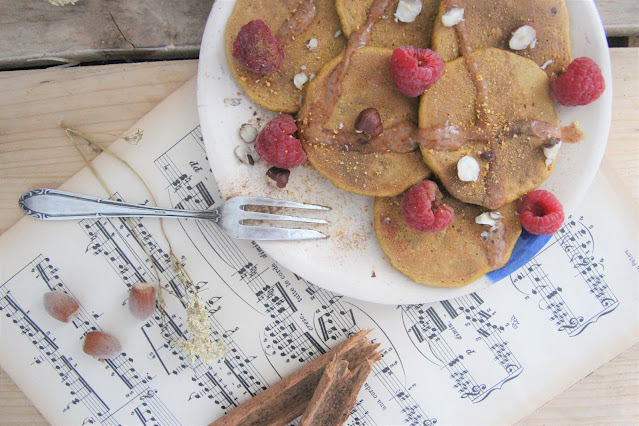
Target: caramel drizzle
(298, 22)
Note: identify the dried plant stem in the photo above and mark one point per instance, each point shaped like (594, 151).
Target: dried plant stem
(201, 346)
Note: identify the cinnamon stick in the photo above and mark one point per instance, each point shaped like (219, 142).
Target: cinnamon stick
(336, 392)
(288, 398)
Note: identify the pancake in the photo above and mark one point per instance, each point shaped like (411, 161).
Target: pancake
(276, 91)
(367, 84)
(387, 32)
(453, 257)
(516, 89)
(489, 23)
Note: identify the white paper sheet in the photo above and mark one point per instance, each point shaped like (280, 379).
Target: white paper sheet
(485, 358)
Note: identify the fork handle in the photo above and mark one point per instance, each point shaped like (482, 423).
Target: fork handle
(51, 204)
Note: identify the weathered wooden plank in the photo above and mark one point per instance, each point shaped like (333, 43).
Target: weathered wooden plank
(101, 101)
(619, 17)
(105, 101)
(36, 33)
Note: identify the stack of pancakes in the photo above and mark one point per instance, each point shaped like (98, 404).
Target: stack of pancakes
(515, 89)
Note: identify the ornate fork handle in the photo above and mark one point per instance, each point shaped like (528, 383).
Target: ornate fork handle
(50, 204)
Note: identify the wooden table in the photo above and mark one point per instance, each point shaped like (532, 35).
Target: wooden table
(104, 101)
(35, 32)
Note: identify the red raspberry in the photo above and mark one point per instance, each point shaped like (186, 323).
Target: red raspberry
(423, 210)
(415, 70)
(257, 49)
(541, 213)
(276, 144)
(580, 84)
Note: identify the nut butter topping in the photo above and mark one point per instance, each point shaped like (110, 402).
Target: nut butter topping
(495, 245)
(316, 112)
(298, 22)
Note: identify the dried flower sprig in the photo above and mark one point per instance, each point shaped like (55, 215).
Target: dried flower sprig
(199, 343)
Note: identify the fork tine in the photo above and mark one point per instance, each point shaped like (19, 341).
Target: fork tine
(266, 233)
(248, 215)
(271, 202)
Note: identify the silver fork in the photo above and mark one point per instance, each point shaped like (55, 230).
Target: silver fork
(51, 204)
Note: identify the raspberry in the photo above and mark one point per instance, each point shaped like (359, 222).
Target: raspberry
(581, 83)
(276, 144)
(423, 210)
(541, 213)
(415, 70)
(257, 49)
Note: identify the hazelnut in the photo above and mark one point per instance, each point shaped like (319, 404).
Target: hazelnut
(101, 345)
(468, 169)
(369, 122)
(453, 17)
(408, 10)
(522, 37)
(248, 133)
(551, 142)
(246, 154)
(280, 176)
(488, 155)
(61, 306)
(142, 300)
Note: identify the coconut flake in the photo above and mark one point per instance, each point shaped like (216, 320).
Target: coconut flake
(453, 17)
(299, 80)
(468, 169)
(545, 65)
(338, 33)
(408, 10)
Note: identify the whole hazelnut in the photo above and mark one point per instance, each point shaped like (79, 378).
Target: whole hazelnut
(369, 122)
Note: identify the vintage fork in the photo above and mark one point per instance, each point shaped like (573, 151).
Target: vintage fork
(51, 204)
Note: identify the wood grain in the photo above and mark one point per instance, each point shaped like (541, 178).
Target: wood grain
(105, 101)
(620, 17)
(36, 33)
(33, 32)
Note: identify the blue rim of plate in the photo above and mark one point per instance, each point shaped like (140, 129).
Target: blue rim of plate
(526, 247)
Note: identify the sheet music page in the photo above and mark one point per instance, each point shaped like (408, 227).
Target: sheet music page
(490, 357)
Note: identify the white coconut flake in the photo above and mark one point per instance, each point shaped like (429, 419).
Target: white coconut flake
(485, 235)
(453, 17)
(338, 33)
(496, 215)
(485, 219)
(551, 153)
(312, 76)
(341, 126)
(303, 67)
(408, 10)
(312, 44)
(545, 65)
(468, 169)
(300, 80)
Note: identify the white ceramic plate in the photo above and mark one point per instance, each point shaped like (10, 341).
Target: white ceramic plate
(350, 262)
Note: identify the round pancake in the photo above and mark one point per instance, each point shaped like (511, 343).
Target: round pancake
(517, 90)
(368, 84)
(453, 257)
(276, 91)
(489, 23)
(387, 32)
